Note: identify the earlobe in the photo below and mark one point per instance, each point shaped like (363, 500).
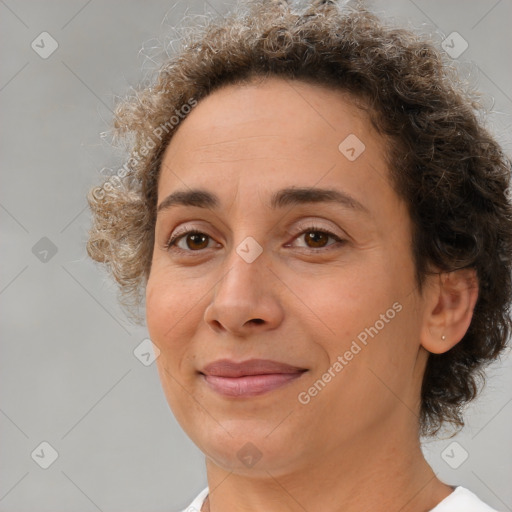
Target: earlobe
(450, 302)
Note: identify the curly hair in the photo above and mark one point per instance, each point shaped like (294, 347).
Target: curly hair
(450, 171)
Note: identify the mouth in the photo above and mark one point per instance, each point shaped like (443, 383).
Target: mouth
(248, 378)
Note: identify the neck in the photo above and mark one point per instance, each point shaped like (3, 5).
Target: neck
(376, 472)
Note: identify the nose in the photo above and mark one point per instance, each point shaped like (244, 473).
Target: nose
(245, 299)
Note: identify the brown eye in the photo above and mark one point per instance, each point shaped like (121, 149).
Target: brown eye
(196, 240)
(193, 241)
(318, 239)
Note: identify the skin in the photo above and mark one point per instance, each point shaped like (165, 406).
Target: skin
(355, 445)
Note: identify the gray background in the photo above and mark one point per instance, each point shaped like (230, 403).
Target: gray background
(68, 373)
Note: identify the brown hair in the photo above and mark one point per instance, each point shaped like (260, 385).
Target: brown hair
(452, 174)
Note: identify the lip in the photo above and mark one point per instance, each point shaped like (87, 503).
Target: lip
(248, 378)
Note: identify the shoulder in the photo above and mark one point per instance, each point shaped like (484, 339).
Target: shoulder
(462, 500)
(196, 505)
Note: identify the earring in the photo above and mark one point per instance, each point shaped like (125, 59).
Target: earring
(443, 337)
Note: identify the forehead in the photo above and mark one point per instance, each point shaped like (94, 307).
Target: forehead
(274, 108)
(273, 133)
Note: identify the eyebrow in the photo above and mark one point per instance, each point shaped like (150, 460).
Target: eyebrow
(291, 196)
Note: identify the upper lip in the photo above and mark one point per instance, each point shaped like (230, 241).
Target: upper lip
(228, 368)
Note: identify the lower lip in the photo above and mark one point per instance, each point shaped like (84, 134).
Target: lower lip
(249, 385)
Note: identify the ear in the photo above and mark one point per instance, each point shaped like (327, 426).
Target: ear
(450, 302)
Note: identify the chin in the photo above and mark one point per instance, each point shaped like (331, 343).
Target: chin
(248, 449)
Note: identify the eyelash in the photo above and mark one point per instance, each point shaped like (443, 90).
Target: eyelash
(170, 245)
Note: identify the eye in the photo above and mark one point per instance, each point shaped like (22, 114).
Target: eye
(193, 240)
(317, 238)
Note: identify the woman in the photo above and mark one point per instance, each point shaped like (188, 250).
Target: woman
(320, 226)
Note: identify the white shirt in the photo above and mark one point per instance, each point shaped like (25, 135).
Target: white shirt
(460, 500)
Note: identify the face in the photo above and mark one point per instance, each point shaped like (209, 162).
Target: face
(276, 270)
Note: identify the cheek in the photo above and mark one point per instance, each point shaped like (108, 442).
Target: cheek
(367, 318)
(159, 299)
(170, 320)
(169, 313)
(349, 301)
